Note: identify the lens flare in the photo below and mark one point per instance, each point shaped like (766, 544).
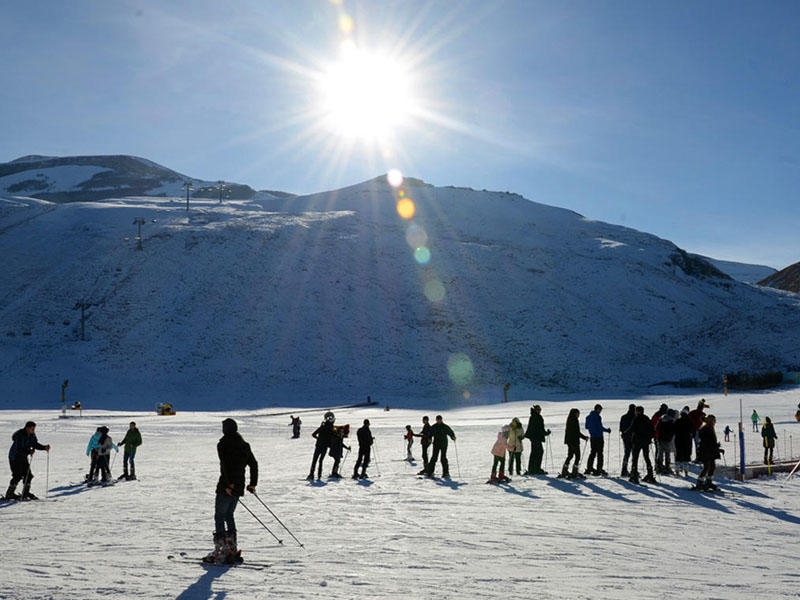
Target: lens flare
(406, 208)
(434, 290)
(416, 236)
(460, 369)
(422, 255)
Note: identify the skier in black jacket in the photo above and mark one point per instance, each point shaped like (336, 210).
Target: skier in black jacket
(537, 434)
(572, 438)
(708, 451)
(234, 455)
(440, 431)
(627, 437)
(24, 445)
(323, 435)
(641, 431)
(365, 441)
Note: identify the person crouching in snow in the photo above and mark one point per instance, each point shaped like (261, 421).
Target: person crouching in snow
(708, 451)
(234, 455)
(499, 453)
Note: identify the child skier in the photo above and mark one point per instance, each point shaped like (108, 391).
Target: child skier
(499, 456)
(409, 437)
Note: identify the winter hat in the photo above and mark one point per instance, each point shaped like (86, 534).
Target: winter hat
(685, 410)
(30, 424)
(229, 426)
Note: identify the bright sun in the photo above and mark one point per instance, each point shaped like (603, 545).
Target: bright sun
(366, 96)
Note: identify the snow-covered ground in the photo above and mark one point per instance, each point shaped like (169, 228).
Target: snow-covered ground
(398, 536)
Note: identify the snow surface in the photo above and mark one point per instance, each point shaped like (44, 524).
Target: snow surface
(397, 536)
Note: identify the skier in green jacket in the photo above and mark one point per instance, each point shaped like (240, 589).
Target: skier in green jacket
(131, 441)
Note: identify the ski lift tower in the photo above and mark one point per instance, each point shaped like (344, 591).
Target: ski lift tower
(64, 385)
(188, 187)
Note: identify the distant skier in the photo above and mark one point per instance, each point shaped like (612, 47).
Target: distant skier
(684, 436)
(665, 430)
(131, 441)
(440, 431)
(323, 435)
(234, 456)
(708, 452)
(24, 444)
(295, 425)
(365, 441)
(572, 438)
(769, 436)
(755, 420)
(594, 424)
(537, 434)
(727, 431)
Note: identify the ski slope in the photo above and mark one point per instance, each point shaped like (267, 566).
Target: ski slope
(397, 535)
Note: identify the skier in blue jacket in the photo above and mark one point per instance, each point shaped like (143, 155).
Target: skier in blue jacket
(594, 424)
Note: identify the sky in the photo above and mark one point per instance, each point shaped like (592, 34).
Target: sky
(681, 119)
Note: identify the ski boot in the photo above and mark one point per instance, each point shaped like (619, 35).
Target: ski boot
(564, 473)
(215, 555)
(231, 552)
(310, 477)
(601, 473)
(634, 478)
(576, 474)
(649, 478)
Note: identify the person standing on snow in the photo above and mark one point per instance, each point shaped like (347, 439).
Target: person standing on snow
(627, 437)
(684, 434)
(24, 444)
(537, 434)
(323, 435)
(234, 456)
(424, 441)
(516, 433)
(295, 425)
(708, 451)
(336, 446)
(131, 441)
(408, 436)
(572, 438)
(440, 432)
(365, 441)
(104, 448)
(91, 452)
(642, 433)
(665, 431)
(755, 419)
(769, 436)
(499, 455)
(597, 441)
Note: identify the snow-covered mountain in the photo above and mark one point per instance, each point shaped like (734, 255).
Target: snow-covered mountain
(787, 279)
(93, 178)
(328, 298)
(747, 273)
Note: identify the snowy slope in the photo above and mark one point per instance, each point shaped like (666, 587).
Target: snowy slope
(397, 536)
(332, 297)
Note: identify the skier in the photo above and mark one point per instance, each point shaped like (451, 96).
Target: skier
(708, 452)
(440, 432)
(91, 452)
(665, 431)
(337, 443)
(234, 455)
(425, 441)
(698, 417)
(537, 434)
(24, 444)
(627, 437)
(499, 456)
(104, 447)
(572, 438)
(516, 433)
(769, 436)
(662, 410)
(295, 425)
(684, 434)
(755, 419)
(323, 436)
(365, 441)
(727, 431)
(642, 432)
(408, 436)
(594, 424)
(131, 441)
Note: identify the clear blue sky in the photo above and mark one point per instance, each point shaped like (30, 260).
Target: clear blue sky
(679, 118)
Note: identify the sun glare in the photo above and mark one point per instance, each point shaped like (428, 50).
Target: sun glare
(366, 95)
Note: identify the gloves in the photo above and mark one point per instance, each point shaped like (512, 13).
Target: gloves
(251, 489)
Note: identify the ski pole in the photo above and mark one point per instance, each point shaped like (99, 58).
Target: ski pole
(375, 451)
(264, 504)
(47, 476)
(458, 464)
(280, 541)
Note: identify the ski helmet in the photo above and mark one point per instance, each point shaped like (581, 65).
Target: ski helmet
(329, 417)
